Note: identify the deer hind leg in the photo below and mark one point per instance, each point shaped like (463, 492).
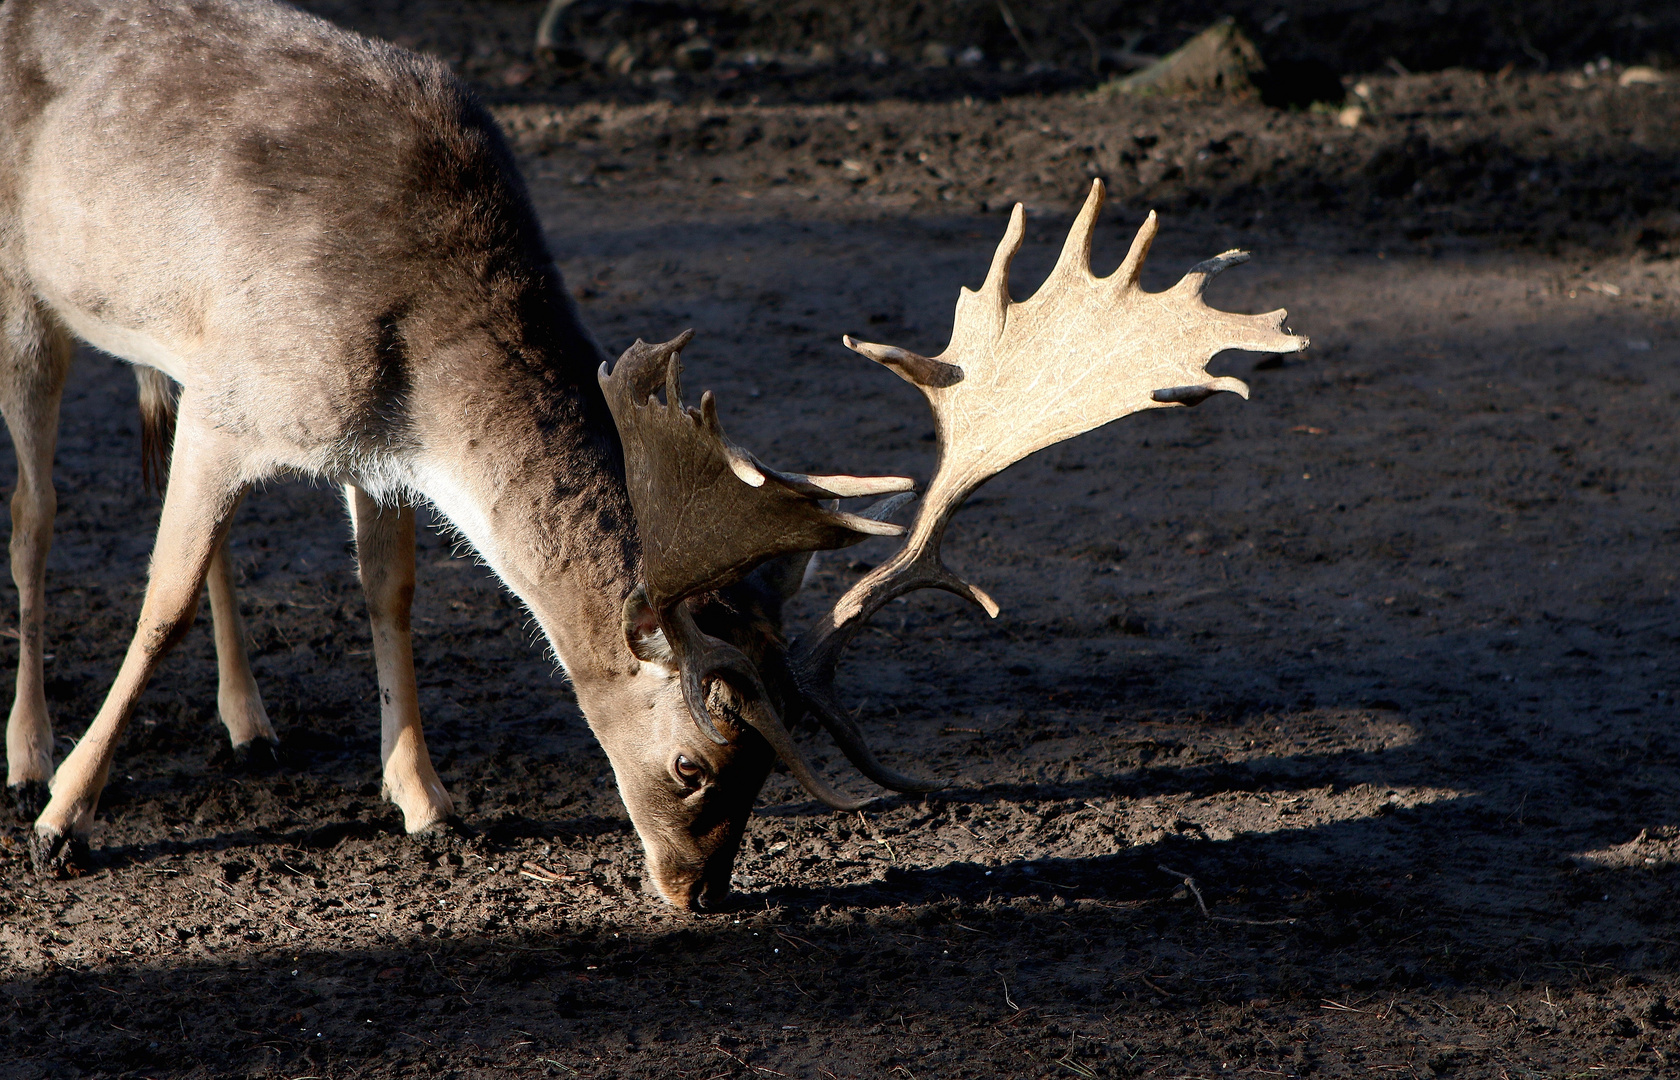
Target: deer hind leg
(34, 360)
(385, 558)
(237, 698)
(205, 486)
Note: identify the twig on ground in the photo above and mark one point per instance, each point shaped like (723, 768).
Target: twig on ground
(1096, 47)
(1190, 883)
(743, 1063)
(540, 873)
(1007, 999)
(1075, 1067)
(871, 832)
(800, 941)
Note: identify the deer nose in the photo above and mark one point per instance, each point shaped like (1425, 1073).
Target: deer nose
(699, 892)
(709, 896)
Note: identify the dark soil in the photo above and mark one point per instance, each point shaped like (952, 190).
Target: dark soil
(1384, 659)
(862, 50)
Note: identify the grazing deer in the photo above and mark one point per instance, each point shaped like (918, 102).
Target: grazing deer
(323, 241)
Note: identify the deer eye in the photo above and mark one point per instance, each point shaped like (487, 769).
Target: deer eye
(689, 772)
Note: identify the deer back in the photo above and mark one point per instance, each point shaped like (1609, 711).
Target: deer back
(272, 210)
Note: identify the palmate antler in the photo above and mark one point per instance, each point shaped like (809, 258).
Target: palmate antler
(1015, 378)
(1018, 377)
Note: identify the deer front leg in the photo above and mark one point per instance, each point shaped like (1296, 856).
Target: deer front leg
(385, 559)
(237, 698)
(204, 488)
(31, 385)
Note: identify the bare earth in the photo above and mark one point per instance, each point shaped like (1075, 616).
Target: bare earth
(1385, 659)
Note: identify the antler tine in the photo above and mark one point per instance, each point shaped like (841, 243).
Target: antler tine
(1028, 375)
(992, 301)
(649, 367)
(1196, 278)
(851, 742)
(704, 658)
(1126, 275)
(1075, 259)
(1257, 333)
(913, 368)
(767, 723)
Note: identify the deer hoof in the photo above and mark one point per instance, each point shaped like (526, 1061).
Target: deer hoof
(451, 834)
(454, 825)
(29, 799)
(256, 756)
(59, 856)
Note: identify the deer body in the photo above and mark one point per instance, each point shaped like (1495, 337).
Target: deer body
(323, 240)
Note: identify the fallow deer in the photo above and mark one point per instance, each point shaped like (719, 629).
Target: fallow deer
(324, 242)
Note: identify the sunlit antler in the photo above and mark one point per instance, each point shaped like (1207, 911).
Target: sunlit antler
(1018, 377)
(708, 512)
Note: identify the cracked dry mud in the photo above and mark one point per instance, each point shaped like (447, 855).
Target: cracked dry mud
(1384, 659)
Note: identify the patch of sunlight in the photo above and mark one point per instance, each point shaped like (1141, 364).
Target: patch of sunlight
(1659, 846)
(1090, 828)
(1229, 815)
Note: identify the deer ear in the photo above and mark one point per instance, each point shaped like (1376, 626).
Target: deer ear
(642, 632)
(786, 574)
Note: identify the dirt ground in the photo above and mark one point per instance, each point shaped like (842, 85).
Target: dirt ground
(1386, 660)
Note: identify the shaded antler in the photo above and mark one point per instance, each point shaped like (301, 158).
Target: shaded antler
(708, 512)
(1018, 377)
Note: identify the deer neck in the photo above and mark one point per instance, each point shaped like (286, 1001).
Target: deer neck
(525, 462)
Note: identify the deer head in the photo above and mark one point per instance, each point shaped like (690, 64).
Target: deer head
(1015, 378)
